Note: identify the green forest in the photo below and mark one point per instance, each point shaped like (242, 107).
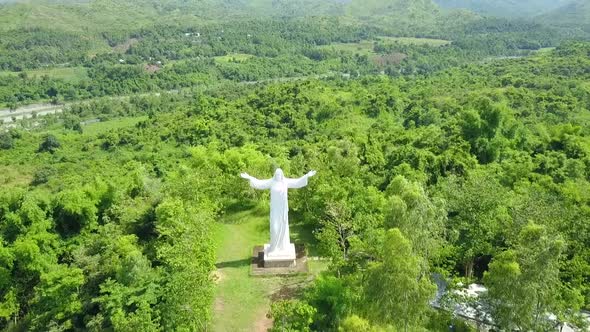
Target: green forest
(452, 147)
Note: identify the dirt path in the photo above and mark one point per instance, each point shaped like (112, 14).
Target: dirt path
(263, 323)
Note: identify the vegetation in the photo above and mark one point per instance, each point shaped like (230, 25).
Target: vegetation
(447, 149)
(505, 8)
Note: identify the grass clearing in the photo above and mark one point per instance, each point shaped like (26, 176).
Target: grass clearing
(241, 302)
(68, 74)
(544, 50)
(365, 47)
(94, 129)
(233, 57)
(13, 177)
(415, 41)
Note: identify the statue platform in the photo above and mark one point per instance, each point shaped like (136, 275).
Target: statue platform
(285, 258)
(278, 266)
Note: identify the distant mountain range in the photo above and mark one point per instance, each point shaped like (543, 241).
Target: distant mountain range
(94, 14)
(567, 13)
(261, 7)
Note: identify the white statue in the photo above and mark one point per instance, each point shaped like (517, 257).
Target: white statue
(280, 246)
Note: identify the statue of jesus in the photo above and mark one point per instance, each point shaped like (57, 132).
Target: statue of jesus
(280, 246)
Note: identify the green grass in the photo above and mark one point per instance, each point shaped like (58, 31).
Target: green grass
(241, 301)
(94, 129)
(68, 74)
(415, 41)
(11, 177)
(365, 47)
(237, 57)
(544, 50)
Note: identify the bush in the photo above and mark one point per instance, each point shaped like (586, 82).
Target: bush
(6, 141)
(291, 315)
(42, 175)
(445, 321)
(354, 324)
(73, 211)
(331, 298)
(50, 144)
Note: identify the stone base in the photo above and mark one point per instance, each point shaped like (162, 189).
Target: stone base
(258, 268)
(285, 258)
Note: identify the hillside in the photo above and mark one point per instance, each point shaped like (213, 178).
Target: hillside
(505, 8)
(293, 7)
(479, 172)
(574, 14)
(446, 150)
(94, 16)
(397, 8)
(135, 13)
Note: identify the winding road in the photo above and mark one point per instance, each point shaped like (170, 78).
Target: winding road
(8, 115)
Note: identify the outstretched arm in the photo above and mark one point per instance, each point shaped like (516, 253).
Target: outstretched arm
(300, 182)
(256, 183)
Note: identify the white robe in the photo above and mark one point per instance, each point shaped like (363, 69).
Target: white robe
(279, 208)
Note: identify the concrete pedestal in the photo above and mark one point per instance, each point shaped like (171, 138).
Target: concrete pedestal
(258, 267)
(285, 258)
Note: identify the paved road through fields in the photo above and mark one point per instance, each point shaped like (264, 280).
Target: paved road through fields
(7, 115)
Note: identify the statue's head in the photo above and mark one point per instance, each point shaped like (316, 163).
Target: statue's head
(279, 175)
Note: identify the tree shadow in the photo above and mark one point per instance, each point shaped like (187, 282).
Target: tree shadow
(239, 212)
(235, 264)
(240, 206)
(290, 291)
(303, 233)
(263, 228)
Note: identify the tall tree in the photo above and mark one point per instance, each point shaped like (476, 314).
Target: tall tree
(56, 300)
(186, 252)
(419, 217)
(331, 297)
(395, 291)
(523, 283)
(477, 214)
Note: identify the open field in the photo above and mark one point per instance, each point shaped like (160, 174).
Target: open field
(68, 74)
(365, 47)
(236, 57)
(101, 127)
(415, 41)
(545, 50)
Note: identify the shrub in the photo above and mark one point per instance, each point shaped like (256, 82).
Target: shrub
(50, 144)
(6, 141)
(291, 315)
